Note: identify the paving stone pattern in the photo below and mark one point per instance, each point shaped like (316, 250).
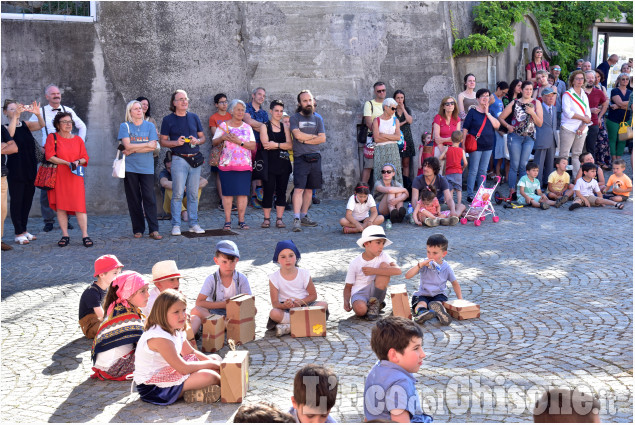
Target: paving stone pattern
(555, 289)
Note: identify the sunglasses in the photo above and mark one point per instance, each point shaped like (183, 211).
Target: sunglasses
(394, 109)
(381, 91)
(386, 171)
(449, 103)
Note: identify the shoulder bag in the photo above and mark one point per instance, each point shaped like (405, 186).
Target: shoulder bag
(362, 130)
(119, 166)
(471, 141)
(47, 173)
(625, 132)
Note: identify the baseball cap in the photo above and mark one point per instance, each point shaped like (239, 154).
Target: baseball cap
(548, 90)
(228, 247)
(106, 263)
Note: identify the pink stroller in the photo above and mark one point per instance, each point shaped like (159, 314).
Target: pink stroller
(481, 205)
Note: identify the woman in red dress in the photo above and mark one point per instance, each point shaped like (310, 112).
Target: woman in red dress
(68, 197)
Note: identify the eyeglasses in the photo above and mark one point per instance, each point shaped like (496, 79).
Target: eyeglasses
(66, 122)
(223, 102)
(386, 171)
(449, 104)
(381, 91)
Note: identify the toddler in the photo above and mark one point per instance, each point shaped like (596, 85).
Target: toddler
(361, 211)
(221, 285)
(587, 191)
(428, 210)
(314, 385)
(289, 287)
(453, 169)
(165, 275)
(91, 312)
(434, 272)
(113, 349)
(558, 183)
(369, 274)
(166, 365)
(529, 192)
(622, 184)
(397, 342)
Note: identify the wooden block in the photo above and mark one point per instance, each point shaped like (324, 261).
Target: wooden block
(234, 376)
(308, 321)
(241, 307)
(213, 333)
(400, 301)
(241, 331)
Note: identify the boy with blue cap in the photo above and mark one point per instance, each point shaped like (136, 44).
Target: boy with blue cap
(221, 285)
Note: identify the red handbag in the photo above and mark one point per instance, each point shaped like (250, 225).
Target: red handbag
(47, 173)
(470, 141)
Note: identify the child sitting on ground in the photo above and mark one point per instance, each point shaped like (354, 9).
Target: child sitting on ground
(312, 386)
(361, 211)
(433, 272)
(91, 312)
(397, 342)
(587, 191)
(221, 285)
(587, 158)
(369, 274)
(289, 287)
(529, 192)
(114, 346)
(166, 365)
(262, 413)
(558, 182)
(165, 275)
(559, 405)
(428, 210)
(453, 168)
(621, 183)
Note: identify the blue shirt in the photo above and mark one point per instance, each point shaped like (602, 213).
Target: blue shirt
(433, 282)
(261, 116)
(141, 163)
(390, 387)
(175, 126)
(617, 115)
(472, 124)
(497, 107)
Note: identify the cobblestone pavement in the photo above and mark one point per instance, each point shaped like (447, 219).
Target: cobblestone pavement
(555, 289)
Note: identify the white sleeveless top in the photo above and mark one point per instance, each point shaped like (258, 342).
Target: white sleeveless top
(295, 288)
(147, 362)
(387, 127)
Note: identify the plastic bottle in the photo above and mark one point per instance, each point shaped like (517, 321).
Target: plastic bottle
(411, 219)
(388, 224)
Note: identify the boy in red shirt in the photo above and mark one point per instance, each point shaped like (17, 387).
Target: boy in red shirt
(453, 169)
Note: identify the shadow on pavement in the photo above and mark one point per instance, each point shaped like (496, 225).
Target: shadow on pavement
(66, 358)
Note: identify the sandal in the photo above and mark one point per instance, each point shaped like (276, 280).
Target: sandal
(155, 235)
(21, 240)
(280, 224)
(243, 225)
(266, 223)
(64, 241)
(227, 226)
(88, 242)
(619, 206)
(138, 235)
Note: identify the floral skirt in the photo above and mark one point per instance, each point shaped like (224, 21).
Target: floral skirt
(602, 150)
(387, 153)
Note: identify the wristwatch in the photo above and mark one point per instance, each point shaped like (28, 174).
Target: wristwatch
(242, 143)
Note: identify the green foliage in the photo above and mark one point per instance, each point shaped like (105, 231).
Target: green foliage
(565, 26)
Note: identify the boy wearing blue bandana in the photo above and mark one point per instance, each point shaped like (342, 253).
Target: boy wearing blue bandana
(390, 393)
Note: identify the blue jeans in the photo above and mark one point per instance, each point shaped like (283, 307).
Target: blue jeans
(184, 177)
(519, 150)
(477, 164)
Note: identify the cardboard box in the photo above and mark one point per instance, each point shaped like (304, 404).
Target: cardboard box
(462, 309)
(241, 307)
(308, 321)
(213, 337)
(400, 301)
(234, 376)
(241, 331)
(188, 331)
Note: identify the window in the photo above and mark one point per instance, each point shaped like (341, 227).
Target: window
(71, 11)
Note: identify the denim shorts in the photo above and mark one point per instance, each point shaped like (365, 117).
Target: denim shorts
(455, 181)
(523, 201)
(418, 298)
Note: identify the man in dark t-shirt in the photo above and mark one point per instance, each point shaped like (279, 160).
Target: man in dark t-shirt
(431, 179)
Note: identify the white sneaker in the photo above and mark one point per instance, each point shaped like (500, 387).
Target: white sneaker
(283, 329)
(176, 231)
(196, 229)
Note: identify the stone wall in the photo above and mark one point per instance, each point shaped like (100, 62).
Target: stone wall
(336, 49)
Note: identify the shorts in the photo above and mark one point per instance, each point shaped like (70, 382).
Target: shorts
(307, 175)
(369, 162)
(609, 195)
(523, 201)
(209, 312)
(159, 396)
(591, 198)
(416, 299)
(455, 181)
(364, 294)
(90, 325)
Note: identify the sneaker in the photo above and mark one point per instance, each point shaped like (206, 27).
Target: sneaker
(373, 309)
(544, 206)
(470, 199)
(176, 231)
(561, 201)
(315, 200)
(431, 222)
(48, 227)
(449, 221)
(422, 315)
(306, 221)
(574, 206)
(220, 207)
(388, 224)
(197, 229)
(259, 193)
(209, 394)
(394, 216)
(402, 214)
(283, 329)
(382, 306)
(441, 313)
(297, 226)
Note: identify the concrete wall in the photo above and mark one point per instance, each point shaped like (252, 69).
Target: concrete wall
(336, 49)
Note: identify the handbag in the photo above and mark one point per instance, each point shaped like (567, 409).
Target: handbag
(119, 166)
(401, 144)
(260, 166)
(625, 132)
(47, 173)
(214, 155)
(471, 141)
(362, 130)
(311, 157)
(194, 161)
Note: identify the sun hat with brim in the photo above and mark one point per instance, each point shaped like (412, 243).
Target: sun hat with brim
(372, 233)
(106, 263)
(165, 270)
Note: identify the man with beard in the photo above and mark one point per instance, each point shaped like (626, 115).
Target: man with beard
(308, 133)
(599, 103)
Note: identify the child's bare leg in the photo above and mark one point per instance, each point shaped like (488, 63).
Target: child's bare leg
(322, 304)
(200, 379)
(452, 193)
(421, 304)
(425, 214)
(601, 201)
(553, 196)
(377, 221)
(344, 222)
(360, 308)
(381, 282)
(459, 193)
(534, 203)
(547, 201)
(277, 315)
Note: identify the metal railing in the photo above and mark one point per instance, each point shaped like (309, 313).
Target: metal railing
(77, 11)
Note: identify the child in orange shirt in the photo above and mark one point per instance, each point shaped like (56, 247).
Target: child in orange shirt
(622, 184)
